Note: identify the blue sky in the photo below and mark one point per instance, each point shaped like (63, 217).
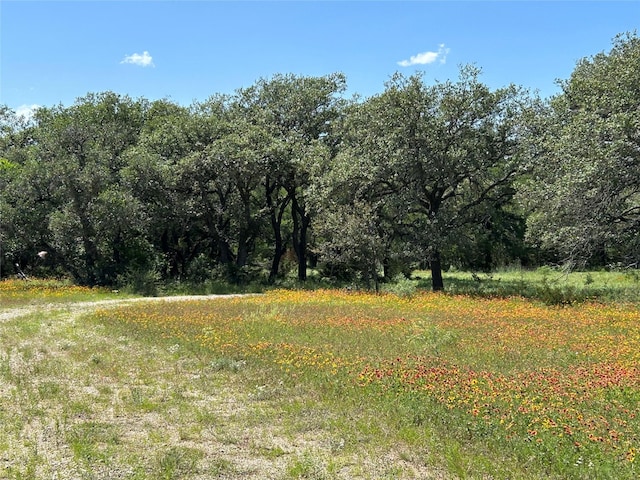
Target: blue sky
(54, 51)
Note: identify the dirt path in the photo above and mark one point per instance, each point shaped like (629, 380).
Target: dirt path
(83, 306)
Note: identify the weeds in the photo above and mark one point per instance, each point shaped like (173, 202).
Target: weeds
(15, 293)
(507, 378)
(323, 384)
(177, 463)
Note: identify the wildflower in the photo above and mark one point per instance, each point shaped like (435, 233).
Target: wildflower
(631, 455)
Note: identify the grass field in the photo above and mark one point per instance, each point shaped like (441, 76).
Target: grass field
(18, 293)
(320, 385)
(550, 285)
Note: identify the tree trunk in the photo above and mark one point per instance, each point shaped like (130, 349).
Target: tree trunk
(242, 256)
(301, 223)
(302, 249)
(243, 252)
(277, 257)
(275, 215)
(436, 272)
(386, 269)
(374, 275)
(247, 233)
(312, 259)
(225, 255)
(90, 251)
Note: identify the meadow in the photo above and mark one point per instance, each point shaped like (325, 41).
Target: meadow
(19, 293)
(322, 384)
(551, 285)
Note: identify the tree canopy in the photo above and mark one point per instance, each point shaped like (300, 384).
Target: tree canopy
(289, 174)
(585, 196)
(435, 160)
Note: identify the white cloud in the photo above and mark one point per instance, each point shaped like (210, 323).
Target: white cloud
(425, 58)
(144, 60)
(26, 111)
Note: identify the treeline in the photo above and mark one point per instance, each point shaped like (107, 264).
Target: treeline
(289, 174)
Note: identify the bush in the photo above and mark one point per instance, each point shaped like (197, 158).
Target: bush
(401, 286)
(140, 282)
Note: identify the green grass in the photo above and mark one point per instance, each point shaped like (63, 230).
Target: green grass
(82, 402)
(34, 292)
(446, 386)
(553, 286)
(325, 385)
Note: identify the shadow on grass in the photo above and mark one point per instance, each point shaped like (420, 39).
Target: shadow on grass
(544, 290)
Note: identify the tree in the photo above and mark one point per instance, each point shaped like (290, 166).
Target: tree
(7, 172)
(440, 154)
(223, 176)
(94, 226)
(352, 241)
(15, 142)
(152, 173)
(297, 114)
(585, 195)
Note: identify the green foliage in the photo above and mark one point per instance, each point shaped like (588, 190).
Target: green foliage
(585, 194)
(6, 164)
(400, 285)
(353, 243)
(87, 440)
(307, 466)
(227, 364)
(287, 177)
(141, 282)
(425, 162)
